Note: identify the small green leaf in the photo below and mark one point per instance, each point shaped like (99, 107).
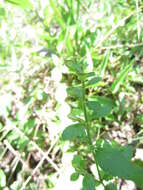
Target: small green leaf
(117, 83)
(76, 113)
(88, 182)
(84, 76)
(74, 176)
(139, 119)
(73, 132)
(13, 136)
(2, 178)
(93, 81)
(75, 92)
(78, 162)
(29, 126)
(75, 67)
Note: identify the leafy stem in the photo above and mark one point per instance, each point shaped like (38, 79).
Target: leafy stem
(87, 127)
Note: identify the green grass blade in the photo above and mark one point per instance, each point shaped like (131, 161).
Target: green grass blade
(117, 83)
(104, 64)
(21, 3)
(57, 13)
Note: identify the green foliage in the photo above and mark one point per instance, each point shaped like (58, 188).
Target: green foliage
(101, 106)
(111, 187)
(116, 160)
(75, 92)
(74, 132)
(95, 49)
(2, 12)
(120, 79)
(78, 163)
(92, 82)
(88, 182)
(21, 3)
(74, 176)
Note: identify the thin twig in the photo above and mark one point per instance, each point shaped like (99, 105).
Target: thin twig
(34, 139)
(35, 170)
(40, 163)
(45, 156)
(15, 153)
(41, 151)
(121, 182)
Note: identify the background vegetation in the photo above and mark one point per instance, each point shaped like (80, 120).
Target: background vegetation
(71, 94)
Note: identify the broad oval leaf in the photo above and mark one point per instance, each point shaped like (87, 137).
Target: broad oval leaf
(88, 182)
(73, 132)
(74, 176)
(100, 106)
(92, 82)
(116, 160)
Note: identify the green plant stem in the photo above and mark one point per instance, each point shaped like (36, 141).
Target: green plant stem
(87, 127)
(85, 113)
